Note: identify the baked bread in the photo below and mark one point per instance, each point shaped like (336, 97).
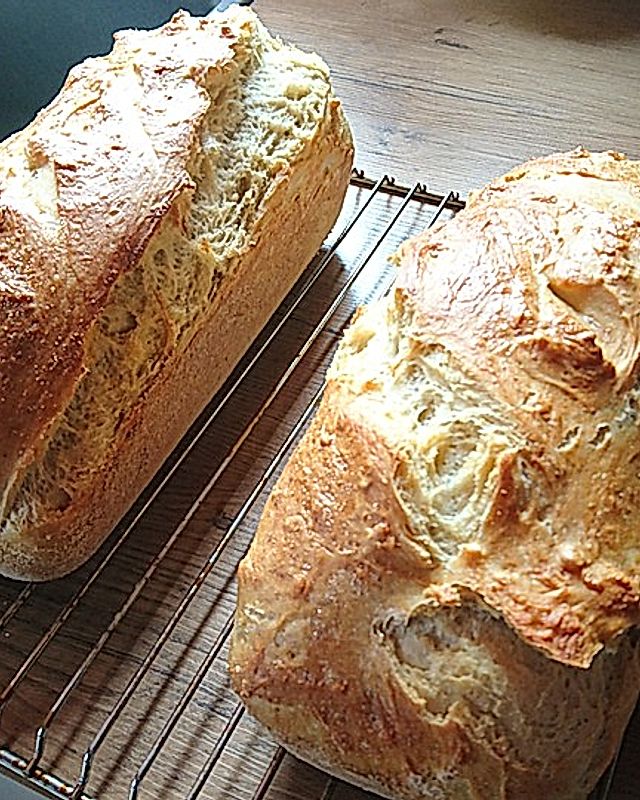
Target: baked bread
(151, 219)
(441, 598)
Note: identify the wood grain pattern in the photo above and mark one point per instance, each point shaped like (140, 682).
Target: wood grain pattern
(450, 91)
(459, 91)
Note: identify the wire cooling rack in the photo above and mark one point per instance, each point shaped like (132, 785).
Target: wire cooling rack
(113, 680)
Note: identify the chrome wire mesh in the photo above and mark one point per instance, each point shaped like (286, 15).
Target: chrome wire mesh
(115, 678)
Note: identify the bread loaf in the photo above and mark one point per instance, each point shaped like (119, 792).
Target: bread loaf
(441, 599)
(151, 219)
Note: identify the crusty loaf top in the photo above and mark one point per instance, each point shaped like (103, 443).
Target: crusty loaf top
(503, 376)
(82, 190)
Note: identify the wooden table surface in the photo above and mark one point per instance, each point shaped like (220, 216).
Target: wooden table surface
(458, 91)
(452, 92)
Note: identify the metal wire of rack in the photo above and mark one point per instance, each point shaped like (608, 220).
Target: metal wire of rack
(118, 710)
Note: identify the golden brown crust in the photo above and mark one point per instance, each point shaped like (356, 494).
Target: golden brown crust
(301, 212)
(113, 148)
(338, 651)
(108, 201)
(439, 595)
(543, 269)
